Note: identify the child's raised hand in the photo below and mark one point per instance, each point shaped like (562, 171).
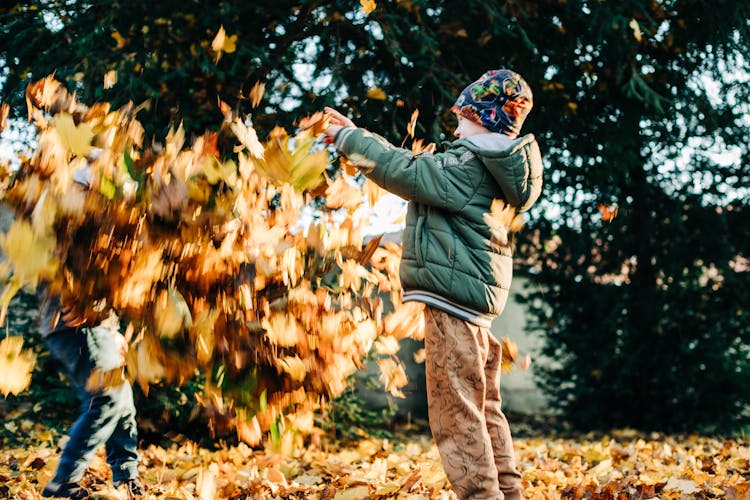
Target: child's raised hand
(338, 118)
(336, 121)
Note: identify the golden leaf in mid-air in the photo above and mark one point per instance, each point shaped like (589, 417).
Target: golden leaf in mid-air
(317, 123)
(367, 6)
(510, 354)
(282, 329)
(15, 365)
(4, 111)
(248, 138)
(377, 93)
(42, 93)
(223, 44)
(342, 194)
(406, 321)
(110, 79)
(256, 93)
(173, 314)
(609, 212)
(31, 256)
(393, 376)
(412, 123)
(294, 366)
(636, 29)
(77, 138)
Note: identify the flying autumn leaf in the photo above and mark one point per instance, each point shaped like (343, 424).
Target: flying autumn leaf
(110, 79)
(609, 212)
(377, 94)
(256, 93)
(16, 365)
(4, 111)
(77, 138)
(367, 6)
(316, 123)
(223, 44)
(393, 376)
(412, 123)
(636, 29)
(31, 255)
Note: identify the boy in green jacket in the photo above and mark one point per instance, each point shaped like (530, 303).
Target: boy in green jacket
(457, 266)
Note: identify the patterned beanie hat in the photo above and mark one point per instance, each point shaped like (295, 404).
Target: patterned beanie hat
(499, 101)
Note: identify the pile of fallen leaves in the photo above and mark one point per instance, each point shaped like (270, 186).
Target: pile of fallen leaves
(202, 249)
(623, 465)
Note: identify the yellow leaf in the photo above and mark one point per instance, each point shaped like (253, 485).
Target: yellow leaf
(31, 256)
(636, 29)
(308, 173)
(119, 39)
(202, 331)
(110, 79)
(172, 314)
(406, 321)
(412, 123)
(377, 93)
(43, 215)
(393, 376)
(4, 111)
(342, 194)
(76, 138)
(386, 345)
(9, 291)
(510, 354)
(248, 138)
(367, 6)
(256, 93)
(42, 93)
(223, 44)
(282, 329)
(216, 171)
(16, 365)
(294, 366)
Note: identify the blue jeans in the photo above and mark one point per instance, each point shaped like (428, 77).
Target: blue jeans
(107, 416)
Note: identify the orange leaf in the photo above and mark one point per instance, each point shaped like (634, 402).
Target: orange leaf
(367, 6)
(609, 212)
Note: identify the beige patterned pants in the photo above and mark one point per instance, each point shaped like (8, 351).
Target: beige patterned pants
(463, 397)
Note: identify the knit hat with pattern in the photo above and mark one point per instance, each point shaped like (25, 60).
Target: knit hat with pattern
(499, 101)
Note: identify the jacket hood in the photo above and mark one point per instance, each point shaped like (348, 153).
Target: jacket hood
(515, 164)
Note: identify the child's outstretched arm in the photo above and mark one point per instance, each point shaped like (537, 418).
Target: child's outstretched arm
(421, 178)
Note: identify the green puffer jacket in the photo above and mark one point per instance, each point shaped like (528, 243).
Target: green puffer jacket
(450, 260)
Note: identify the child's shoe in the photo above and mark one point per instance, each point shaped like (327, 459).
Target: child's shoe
(65, 490)
(133, 487)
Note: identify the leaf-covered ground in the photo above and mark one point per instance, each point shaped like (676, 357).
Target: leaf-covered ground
(620, 465)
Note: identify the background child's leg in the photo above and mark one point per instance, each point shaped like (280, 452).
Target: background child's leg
(497, 425)
(454, 365)
(122, 445)
(81, 352)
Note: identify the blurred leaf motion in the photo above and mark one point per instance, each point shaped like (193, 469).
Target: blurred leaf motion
(16, 364)
(200, 248)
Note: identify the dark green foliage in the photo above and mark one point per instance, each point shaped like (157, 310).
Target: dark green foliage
(349, 417)
(646, 313)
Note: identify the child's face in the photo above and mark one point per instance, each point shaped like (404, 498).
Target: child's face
(467, 128)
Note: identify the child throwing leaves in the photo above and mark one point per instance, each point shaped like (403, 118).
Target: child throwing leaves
(455, 264)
